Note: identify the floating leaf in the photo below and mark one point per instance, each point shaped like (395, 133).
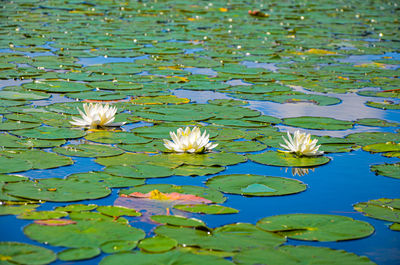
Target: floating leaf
(57, 190)
(88, 150)
(115, 246)
(116, 211)
(281, 159)
(318, 123)
(157, 244)
(382, 147)
(187, 170)
(299, 254)
(11, 164)
(177, 220)
(177, 257)
(41, 215)
(376, 122)
(50, 133)
(108, 180)
(206, 209)
(388, 170)
(382, 209)
(21, 253)
(316, 227)
(83, 233)
(255, 185)
(79, 253)
(233, 237)
(16, 209)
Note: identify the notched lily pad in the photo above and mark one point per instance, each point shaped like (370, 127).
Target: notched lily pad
(21, 253)
(382, 209)
(316, 227)
(255, 185)
(388, 170)
(281, 159)
(206, 209)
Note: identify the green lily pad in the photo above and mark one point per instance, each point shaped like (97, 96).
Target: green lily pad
(382, 209)
(115, 138)
(157, 244)
(115, 246)
(16, 209)
(96, 95)
(21, 253)
(57, 86)
(240, 146)
(79, 253)
(232, 237)
(388, 170)
(281, 159)
(108, 180)
(50, 133)
(255, 185)
(116, 211)
(206, 209)
(386, 104)
(41, 215)
(177, 220)
(382, 147)
(376, 122)
(23, 95)
(140, 171)
(39, 159)
(177, 257)
(16, 125)
(57, 190)
(11, 164)
(76, 208)
(318, 123)
(88, 150)
(209, 194)
(95, 216)
(187, 170)
(83, 233)
(299, 254)
(395, 227)
(12, 178)
(316, 227)
(367, 138)
(12, 141)
(304, 98)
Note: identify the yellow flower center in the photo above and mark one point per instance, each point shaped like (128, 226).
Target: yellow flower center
(157, 195)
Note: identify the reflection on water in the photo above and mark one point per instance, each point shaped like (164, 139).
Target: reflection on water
(300, 171)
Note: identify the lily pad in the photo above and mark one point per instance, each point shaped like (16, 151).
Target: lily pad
(116, 211)
(299, 254)
(79, 253)
(16, 209)
(382, 147)
(115, 246)
(255, 185)
(233, 237)
(388, 170)
(11, 164)
(41, 215)
(281, 159)
(382, 209)
(177, 220)
(140, 171)
(83, 233)
(15, 125)
(39, 159)
(209, 194)
(57, 190)
(50, 133)
(108, 180)
(88, 150)
(206, 209)
(157, 244)
(316, 227)
(12, 141)
(116, 138)
(176, 257)
(187, 170)
(21, 253)
(318, 123)
(376, 122)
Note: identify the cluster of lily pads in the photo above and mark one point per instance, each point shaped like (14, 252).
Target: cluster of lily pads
(162, 48)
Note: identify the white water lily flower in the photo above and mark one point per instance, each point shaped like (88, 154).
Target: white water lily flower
(96, 115)
(301, 144)
(190, 141)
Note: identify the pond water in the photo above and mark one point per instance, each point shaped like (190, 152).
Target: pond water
(247, 78)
